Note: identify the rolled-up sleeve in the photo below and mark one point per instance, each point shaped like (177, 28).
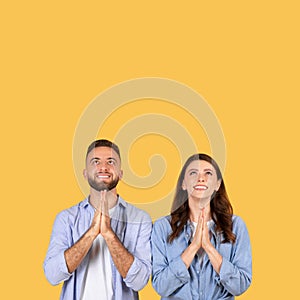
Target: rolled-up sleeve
(139, 272)
(236, 273)
(55, 267)
(167, 275)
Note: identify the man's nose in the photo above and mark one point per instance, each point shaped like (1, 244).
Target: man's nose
(102, 166)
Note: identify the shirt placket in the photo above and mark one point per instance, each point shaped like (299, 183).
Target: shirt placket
(203, 267)
(194, 267)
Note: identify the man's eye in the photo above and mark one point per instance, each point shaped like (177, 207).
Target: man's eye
(111, 162)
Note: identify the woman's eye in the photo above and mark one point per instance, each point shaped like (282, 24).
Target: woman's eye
(193, 173)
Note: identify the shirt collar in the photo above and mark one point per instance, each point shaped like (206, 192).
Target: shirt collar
(188, 230)
(85, 202)
(120, 202)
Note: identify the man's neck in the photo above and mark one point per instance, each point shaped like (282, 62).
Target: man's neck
(112, 198)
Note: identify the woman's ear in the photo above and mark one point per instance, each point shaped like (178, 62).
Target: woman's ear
(218, 184)
(183, 186)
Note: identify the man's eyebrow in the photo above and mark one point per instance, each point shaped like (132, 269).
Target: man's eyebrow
(97, 158)
(111, 158)
(94, 158)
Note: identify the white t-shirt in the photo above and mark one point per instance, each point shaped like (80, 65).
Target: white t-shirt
(97, 283)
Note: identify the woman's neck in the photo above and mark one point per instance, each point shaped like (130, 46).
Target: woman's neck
(197, 207)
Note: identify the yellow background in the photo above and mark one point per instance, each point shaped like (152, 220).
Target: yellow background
(241, 56)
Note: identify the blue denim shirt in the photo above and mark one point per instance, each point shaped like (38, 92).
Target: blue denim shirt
(172, 280)
(132, 226)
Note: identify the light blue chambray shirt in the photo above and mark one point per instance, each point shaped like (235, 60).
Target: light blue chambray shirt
(132, 226)
(172, 280)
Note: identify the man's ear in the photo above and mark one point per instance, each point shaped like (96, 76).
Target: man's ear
(121, 174)
(84, 173)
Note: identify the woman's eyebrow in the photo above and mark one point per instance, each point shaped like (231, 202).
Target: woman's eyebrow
(193, 169)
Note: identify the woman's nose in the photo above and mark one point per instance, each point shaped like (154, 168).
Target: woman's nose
(201, 178)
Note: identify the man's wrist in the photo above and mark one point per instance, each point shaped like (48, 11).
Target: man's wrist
(109, 235)
(92, 233)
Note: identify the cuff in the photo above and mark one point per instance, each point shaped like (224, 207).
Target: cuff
(178, 268)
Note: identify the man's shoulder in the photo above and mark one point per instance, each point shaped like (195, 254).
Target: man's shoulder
(135, 213)
(73, 210)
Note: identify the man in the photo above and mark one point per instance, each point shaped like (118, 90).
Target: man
(100, 248)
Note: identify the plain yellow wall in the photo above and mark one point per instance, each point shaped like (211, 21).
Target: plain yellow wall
(241, 56)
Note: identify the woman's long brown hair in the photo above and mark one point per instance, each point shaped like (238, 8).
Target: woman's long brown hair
(221, 209)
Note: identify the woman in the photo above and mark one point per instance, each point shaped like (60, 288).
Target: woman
(201, 250)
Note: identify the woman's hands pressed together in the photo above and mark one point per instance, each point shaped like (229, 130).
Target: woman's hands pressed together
(202, 240)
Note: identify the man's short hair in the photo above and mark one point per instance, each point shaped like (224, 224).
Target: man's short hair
(103, 143)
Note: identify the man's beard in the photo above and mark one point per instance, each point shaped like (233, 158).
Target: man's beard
(101, 185)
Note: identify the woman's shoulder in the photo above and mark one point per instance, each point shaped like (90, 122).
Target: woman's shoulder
(237, 219)
(238, 224)
(162, 223)
(163, 219)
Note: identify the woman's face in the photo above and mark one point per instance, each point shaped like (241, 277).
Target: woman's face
(200, 180)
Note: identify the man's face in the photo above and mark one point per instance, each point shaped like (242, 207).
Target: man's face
(103, 169)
